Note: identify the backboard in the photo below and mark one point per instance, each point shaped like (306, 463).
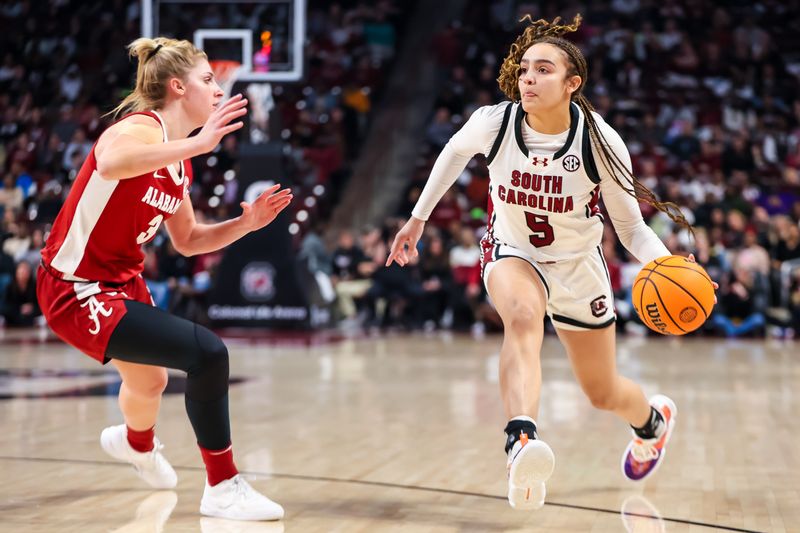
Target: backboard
(265, 36)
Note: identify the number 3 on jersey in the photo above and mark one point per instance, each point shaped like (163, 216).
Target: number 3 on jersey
(151, 230)
(541, 228)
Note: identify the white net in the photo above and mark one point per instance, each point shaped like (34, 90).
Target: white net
(226, 72)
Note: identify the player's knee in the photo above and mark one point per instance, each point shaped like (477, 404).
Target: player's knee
(602, 399)
(214, 353)
(521, 317)
(151, 385)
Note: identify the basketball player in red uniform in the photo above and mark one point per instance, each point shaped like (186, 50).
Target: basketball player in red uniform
(90, 287)
(550, 157)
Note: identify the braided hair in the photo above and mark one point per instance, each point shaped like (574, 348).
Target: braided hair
(543, 31)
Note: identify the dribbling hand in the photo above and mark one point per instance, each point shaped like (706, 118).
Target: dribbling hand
(218, 124)
(714, 283)
(265, 208)
(407, 237)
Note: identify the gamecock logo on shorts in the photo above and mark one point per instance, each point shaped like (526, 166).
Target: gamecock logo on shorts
(258, 282)
(599, 306)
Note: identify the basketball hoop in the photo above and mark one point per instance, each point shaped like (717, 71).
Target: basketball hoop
(226, 71)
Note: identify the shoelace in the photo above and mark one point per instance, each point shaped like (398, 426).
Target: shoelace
(645, 450)
(157, 446)
(152, 455)
(240, 488)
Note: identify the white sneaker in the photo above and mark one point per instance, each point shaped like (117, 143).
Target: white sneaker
(530, 464)
(151, 466)
(235, 499)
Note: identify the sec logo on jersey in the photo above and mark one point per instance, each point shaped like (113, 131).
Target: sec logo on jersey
(571, 163)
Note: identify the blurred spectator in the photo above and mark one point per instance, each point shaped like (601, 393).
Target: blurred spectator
(742, 301)
(21, 307)
(437, 281)
(351, 274)
(396, 292)
(467, 291)
(11, 195)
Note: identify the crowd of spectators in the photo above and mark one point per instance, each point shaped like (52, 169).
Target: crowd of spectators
(705, 96)
(64, 65)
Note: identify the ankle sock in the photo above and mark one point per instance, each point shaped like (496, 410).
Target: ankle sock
(516, 426)
(653, 428)
(141, 441)
(219, 464)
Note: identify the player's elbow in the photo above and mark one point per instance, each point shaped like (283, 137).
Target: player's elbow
(108, 170)
(183, 247)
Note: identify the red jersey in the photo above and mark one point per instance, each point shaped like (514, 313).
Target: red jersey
(99, 232)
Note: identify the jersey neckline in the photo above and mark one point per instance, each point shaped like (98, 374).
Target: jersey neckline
(164, 133)
(574, 118)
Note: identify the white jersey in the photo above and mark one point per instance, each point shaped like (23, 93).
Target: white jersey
(544, 201)
(544, 189)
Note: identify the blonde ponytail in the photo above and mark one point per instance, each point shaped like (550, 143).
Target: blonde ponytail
(160, 59)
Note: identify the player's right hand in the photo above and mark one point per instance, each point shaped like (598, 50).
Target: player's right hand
(219, 123)
(404, 247)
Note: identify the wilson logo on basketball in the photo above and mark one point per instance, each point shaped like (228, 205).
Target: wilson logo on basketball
(655, 317)
(688, 314)
(571, 163)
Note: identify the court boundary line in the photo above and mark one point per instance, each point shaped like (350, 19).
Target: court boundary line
(386, 484)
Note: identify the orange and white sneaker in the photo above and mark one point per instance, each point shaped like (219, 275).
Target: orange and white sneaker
(530, 464)
(642, 457)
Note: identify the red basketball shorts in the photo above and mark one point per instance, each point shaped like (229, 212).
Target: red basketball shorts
(84, 314)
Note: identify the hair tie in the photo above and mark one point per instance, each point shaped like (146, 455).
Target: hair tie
(153, 52)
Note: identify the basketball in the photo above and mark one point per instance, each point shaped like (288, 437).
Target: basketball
(673, 295)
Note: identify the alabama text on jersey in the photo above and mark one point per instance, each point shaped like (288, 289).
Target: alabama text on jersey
(98, 233)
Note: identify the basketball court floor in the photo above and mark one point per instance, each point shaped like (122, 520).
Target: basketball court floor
(404, 433)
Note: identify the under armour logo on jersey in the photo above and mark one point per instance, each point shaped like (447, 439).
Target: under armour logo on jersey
(571, 163)
(535, 161)
(599, 307)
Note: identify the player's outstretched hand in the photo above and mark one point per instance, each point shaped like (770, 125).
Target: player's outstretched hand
(404, 247)
(265, 208)
(714, 283)
(219, 123)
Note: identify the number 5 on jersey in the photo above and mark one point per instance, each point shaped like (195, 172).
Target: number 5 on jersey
(541, 228)
(151, 230)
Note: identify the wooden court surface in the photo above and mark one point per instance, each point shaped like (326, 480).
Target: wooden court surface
(404, 433)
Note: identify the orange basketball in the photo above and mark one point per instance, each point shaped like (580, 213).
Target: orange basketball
(673, 295)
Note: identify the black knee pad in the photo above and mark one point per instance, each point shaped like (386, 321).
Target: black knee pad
(212, 350)
(209, 375)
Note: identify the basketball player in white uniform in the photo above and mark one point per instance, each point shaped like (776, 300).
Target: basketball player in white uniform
(550, 158)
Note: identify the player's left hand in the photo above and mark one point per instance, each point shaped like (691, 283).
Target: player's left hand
(714, 283)
(265, 208)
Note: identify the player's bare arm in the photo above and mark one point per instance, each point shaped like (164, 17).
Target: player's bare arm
(190, 238)
(134, 146)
